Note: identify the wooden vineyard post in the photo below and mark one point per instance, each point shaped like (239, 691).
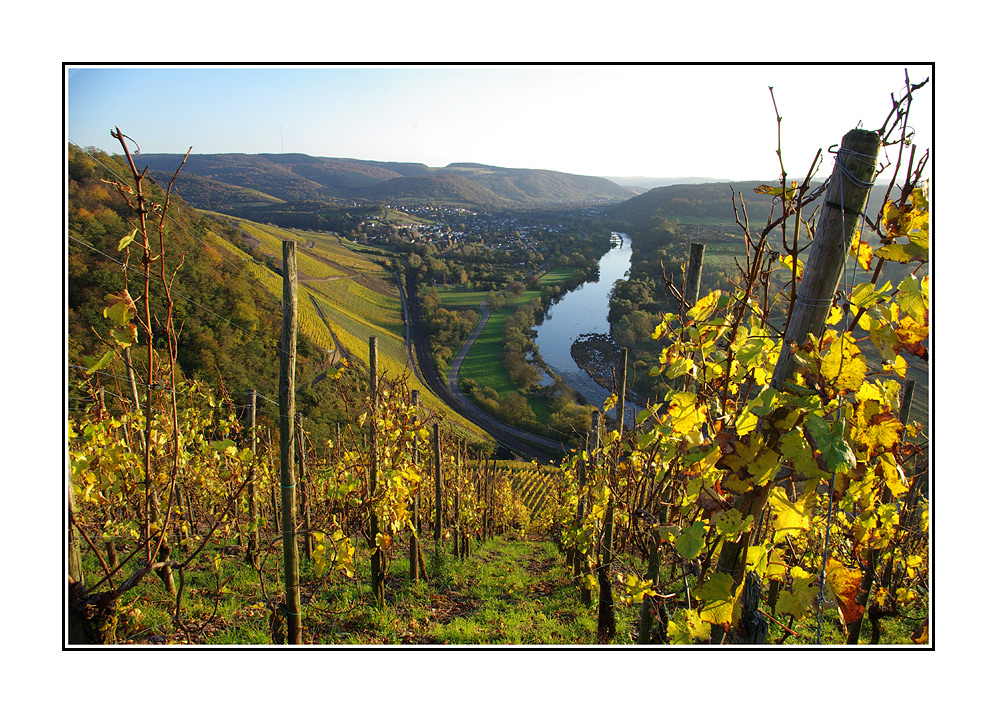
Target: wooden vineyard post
(481, 475)
(843, 207)
(606, 625)
(490, 499)
(694, 268)
(621, 391)
(691, 291)
(574, 557)
(286, 399)
(75, 558)
(456, 525)
(254, 529)
(414, 506)
(582, 566)
(753, 626)
(907, 395)
(438, 486)
(484, 523)
(648, 605)
(480, 494)
(303, 505)
(466, 540)
(841, 212)
(77, 628)
(377, 556)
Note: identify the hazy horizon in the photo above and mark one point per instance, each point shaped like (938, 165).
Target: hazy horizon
(652, 121)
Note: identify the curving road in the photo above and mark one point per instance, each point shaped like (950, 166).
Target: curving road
(522, 442)
(452, 384)
(455, 368)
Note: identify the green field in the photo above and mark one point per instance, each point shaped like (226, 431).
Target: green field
(456, 299)
(484, 362)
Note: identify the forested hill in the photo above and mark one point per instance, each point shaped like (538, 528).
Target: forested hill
(255, 178)
(705, 202)
(227, 301)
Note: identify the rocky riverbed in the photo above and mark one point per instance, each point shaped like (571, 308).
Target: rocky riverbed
(597, 355)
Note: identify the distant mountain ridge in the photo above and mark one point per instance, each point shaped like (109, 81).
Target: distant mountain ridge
(708, 202)
(650, 182)
(301, 177)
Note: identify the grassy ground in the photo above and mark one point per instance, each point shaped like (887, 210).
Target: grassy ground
(508, 592)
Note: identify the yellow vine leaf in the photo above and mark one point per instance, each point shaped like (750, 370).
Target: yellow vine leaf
(120, 307)
(800, 598)
(788, 263)
(730, 524)
(745, 422)
(893, 475)
(913, 299)
(634, 588)
(789, 192)
(844, 583)
(685, 413)
(123, 243)
(898, 365)
(717, 602)
(686, 628)
(789, 519)
(911, 335)
(844, 365)
(861, 251)
(704, 306)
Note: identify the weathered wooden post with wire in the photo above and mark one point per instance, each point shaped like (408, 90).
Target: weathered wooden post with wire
(845, 200)
(377, 556)
(286, 402)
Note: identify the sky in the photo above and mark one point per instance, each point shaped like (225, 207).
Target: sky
(620, 120)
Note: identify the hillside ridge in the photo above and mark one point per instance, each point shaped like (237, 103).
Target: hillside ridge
(298, 177)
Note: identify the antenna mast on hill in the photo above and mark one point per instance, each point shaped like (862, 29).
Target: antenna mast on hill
(282, 138)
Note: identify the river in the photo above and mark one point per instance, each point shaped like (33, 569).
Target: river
(583, 311)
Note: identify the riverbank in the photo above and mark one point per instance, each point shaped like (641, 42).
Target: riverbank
(563, 337)
(597, 355)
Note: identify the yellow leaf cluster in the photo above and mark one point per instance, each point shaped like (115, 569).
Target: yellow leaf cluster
(685, 413)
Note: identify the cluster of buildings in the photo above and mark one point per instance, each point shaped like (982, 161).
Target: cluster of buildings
(452, 226)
